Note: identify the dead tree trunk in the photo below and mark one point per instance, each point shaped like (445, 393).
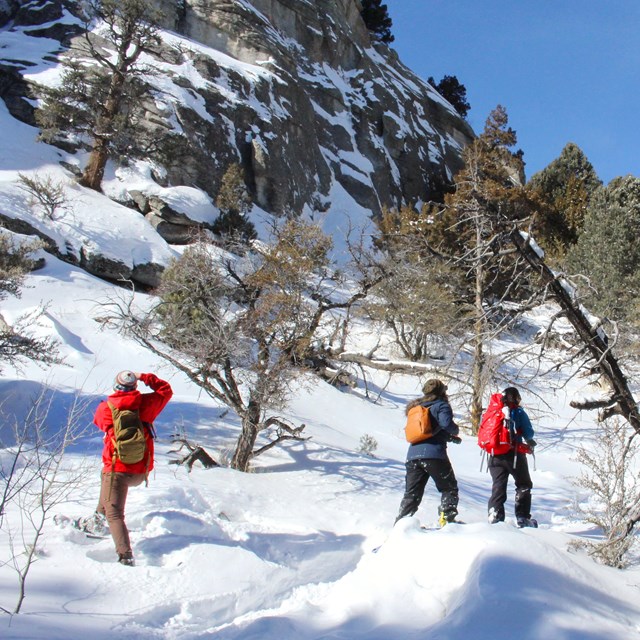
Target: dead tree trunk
(196, 454)
(594, 338)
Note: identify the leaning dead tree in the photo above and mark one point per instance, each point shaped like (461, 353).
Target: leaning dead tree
(623, 512)
(592, 335)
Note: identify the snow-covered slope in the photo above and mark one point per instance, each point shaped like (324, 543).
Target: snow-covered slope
(286, 552)
(294, 91)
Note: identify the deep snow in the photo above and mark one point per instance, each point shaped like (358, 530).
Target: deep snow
(285, 552)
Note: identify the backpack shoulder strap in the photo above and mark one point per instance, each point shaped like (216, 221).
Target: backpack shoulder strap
(435, 425)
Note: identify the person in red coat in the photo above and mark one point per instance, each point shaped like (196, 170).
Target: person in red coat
(118, 477)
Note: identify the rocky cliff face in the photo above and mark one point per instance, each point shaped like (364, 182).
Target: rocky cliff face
(321, 118)
(306, 102)
(295, 91)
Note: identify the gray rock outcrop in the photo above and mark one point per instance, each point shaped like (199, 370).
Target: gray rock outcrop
(304, 100)
(320, 117)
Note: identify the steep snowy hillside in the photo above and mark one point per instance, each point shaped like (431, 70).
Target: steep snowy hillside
(295, 92)
(287, 552)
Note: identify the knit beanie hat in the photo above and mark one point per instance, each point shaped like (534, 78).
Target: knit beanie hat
(434, 387)
(125, 381)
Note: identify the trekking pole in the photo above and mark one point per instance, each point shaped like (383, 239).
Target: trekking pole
(482, 457)
(533, 455)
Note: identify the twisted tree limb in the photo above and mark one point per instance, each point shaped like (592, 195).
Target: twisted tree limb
(196, 454)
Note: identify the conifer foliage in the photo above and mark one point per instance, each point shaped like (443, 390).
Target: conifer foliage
(566, 186)
(376, 17)
(102, 92)
(234, 203)
(607, 251)
(416, 300)
(488, 203)
(235, 327)
(18, 342)
(453, 92)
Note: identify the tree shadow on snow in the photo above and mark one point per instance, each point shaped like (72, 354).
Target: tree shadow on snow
(24, 404)
(26, 401)
(365, 472)
(179, 530)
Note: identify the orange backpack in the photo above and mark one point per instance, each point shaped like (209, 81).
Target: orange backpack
(420, 425)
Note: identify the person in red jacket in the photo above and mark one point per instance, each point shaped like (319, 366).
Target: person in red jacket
(116, 479)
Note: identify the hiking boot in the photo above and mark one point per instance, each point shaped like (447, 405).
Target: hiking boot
(446, 517)
(126, 559)
(493, 517)
(526, 522)
(94, 525)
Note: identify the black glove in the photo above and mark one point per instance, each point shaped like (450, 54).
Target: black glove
(455, 439)
(532, 443)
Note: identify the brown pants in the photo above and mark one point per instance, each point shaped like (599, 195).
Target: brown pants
(113, 497)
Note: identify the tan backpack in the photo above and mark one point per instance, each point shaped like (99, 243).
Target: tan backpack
(129, 442)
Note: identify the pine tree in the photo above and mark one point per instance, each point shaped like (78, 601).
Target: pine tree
(566, 186)
(17, 341)
(415, 281)
(488, 202)
(453, 92)
(608, 252)
(376, 17)
(104, 98)
(234, 203)
(236, 327)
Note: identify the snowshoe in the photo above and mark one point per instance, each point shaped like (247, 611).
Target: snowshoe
(93, 526)
(527, 522)
(446, 518)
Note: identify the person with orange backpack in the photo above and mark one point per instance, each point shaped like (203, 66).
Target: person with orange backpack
(126, 418)
(427, 455)
(506, 434)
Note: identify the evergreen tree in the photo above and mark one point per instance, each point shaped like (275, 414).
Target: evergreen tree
(17, 341)
(234, 203)
(566, 186)
(101, 93)
(488, 202)
(376, 17)
(608, 252)
(235, 328)
(415, 281)
(453, 92)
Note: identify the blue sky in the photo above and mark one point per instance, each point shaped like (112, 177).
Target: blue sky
(565, 70)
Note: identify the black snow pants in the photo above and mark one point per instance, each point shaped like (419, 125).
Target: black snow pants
(418, 473)
(500, 468)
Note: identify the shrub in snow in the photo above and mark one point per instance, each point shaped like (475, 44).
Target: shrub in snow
(368, 445)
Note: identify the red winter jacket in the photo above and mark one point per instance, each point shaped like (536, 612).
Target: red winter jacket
(148, 404)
